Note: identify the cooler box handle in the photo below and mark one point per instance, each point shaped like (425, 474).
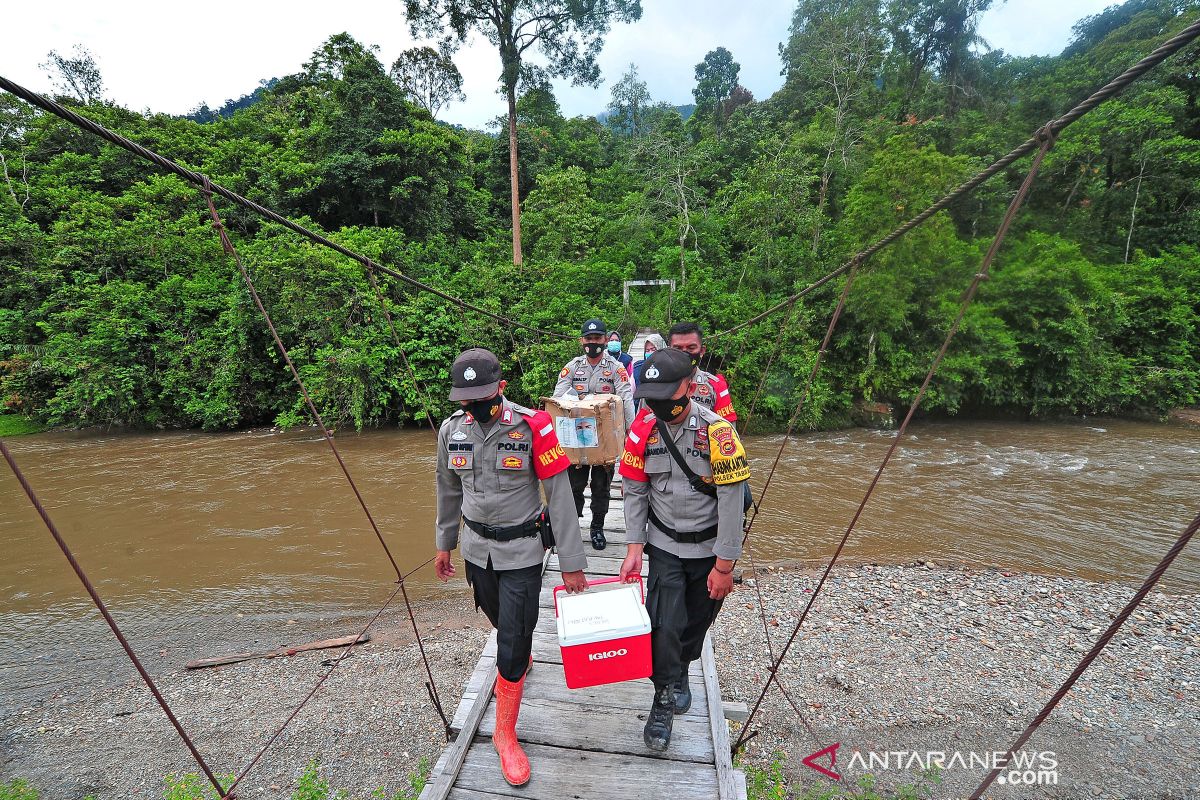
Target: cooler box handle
(598, 582)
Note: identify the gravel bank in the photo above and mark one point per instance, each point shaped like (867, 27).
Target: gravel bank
(913, 658)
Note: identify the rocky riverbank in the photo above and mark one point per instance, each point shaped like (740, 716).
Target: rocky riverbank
(892, 660)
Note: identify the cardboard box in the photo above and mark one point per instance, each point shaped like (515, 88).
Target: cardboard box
(591, 430)
(604, 636)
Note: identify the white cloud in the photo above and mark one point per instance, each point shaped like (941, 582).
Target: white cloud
(172, 57)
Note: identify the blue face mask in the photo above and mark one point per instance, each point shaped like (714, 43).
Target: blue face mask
(614, 347)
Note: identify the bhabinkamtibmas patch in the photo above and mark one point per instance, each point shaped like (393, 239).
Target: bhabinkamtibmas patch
(726, 455)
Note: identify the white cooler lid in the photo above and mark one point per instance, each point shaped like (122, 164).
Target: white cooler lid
(596, 616)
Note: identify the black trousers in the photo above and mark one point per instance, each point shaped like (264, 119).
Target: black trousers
(680, 610)
(601, 480)
(509, 599)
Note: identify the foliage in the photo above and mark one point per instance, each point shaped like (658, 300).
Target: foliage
(119, 307)
(567, 34)
(428, 77)
(865, 789)
(416, 783)
(194, 787)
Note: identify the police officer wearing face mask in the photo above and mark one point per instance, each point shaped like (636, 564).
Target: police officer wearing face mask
(595, 372)
(689, 526)
(491, 455)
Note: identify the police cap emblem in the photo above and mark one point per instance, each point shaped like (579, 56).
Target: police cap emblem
(652, 373)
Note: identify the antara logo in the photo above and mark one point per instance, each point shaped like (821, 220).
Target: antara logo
(607, 654)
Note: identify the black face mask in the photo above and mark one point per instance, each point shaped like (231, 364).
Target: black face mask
(593, 349)
(667, 410)
(484, 410)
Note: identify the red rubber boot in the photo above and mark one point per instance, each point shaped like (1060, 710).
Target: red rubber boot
(513, 762)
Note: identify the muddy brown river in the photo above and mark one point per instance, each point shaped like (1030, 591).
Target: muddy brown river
(201, 543)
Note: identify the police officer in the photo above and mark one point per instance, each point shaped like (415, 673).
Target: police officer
(491, 454)
(689, 526)
(595, 372)
(707, 389)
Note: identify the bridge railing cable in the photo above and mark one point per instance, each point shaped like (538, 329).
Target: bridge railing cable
(1086, 661)
(1047, 139)
(108, 618)
(227, 244)
(80, 121)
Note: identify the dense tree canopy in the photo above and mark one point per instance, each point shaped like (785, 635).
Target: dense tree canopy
(118, 306)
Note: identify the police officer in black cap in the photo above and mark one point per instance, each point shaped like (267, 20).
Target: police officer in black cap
(491, 457)
(595, 372)
(685, 477)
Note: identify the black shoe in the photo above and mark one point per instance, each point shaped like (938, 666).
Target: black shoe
(683, 692)
(598, 540)
(657, 733)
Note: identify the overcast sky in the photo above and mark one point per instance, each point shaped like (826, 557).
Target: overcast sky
(169, 57)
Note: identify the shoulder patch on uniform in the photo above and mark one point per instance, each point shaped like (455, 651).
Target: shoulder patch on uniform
(565, 372)
(726, 454)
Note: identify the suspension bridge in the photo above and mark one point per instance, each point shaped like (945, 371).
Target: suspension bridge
(581, 743)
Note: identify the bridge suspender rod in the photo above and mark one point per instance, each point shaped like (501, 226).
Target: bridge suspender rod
(112, 623)
(324, 677)
(1046, 137)
(1087, 660)
(227, 244)
(199, 180)
(1110, 89)
(412, 373)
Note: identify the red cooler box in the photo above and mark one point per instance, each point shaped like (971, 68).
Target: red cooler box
(605, 635)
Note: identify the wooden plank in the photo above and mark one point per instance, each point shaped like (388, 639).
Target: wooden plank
(559, 773)
(286, 650)
(735, 712)
(726, 783)
(456, 754)
(601, 728)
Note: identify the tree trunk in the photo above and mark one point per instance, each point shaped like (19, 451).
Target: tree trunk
(512, 173)
(1133, 214)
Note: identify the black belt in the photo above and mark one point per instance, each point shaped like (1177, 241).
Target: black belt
(684, 537)
(525, 529)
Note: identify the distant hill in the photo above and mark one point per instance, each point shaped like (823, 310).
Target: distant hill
(205, 114)
(684, 111)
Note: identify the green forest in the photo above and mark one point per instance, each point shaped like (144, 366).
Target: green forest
(118, 305)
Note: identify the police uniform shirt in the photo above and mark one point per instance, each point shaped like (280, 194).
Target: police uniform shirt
(607, 376)
(712, 392)
(491, 477)
(654, 481)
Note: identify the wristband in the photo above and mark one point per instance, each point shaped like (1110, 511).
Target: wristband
(722, 571)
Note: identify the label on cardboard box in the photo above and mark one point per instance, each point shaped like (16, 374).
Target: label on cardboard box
(577, 431)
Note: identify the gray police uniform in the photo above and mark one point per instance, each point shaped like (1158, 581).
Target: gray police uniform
(608, 376)
(487, 478)
(581, 378)
(684, 530)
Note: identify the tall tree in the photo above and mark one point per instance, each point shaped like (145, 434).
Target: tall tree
(569, 34)
(428, 77)
(630, 99)
(937, 35)
(716, 78)
(76, 75)
(830, 62)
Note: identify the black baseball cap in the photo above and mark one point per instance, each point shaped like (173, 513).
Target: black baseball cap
(662, 373)
(594, 326)
(475, 375)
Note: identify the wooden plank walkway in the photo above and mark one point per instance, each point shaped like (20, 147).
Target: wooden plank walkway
(587, 743)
